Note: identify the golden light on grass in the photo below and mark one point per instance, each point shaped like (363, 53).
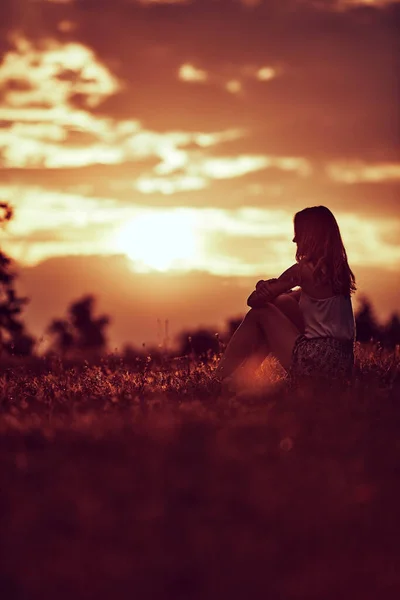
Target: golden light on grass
(66, 26)
(345, 4)
(266, 74)
(164, 2)
(189, 73)
(160, 240)
(234, 86)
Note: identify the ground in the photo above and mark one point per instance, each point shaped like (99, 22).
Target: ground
(116, 484)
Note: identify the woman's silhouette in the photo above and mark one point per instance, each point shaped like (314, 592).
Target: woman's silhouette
(311, 331)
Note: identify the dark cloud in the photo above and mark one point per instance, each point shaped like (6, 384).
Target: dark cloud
(64, 179)
(331, 138)
(40, 235)
(268, 188)
(68, 234)
(337, 95)
(75, 137)
(287, 192)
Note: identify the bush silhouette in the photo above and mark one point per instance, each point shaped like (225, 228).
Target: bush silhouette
(201, 342)
(232, 325)
(367, 327)
(391, 332)
(80, 332)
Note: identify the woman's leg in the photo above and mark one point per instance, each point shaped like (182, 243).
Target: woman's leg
(289, 305)
(247, 341)
(280, 331)
(263, 330)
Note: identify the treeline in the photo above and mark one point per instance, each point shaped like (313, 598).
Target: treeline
(81, 334)
(370, 330)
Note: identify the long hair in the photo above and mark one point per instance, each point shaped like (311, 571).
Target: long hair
(319, 241)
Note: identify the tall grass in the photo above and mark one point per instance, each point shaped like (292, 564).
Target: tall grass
(119, 482)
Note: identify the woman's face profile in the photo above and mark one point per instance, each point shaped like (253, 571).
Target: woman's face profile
(295, 236)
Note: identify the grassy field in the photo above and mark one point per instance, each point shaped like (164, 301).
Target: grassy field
(124, 484)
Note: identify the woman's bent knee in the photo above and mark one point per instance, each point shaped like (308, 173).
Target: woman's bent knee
(260, 313)
(256, 312)
(290, 308)
(283, 300)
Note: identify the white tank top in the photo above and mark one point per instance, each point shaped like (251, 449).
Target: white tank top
(328, 317)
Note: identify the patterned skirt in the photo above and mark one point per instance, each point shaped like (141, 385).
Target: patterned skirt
(325, 359)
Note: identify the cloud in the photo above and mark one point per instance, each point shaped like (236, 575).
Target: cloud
(361, 172)
(38, 84)
(334, 94)
(107, 109)
(301, 94)
(225, 78)
(34, 135)
(43, 128)
(51, 73)
(196, 173)
(230, 242)
(56, 224)
(63, 136)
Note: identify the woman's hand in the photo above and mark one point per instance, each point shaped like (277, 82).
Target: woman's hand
(254, 301)
(263, 290)
(261, 294)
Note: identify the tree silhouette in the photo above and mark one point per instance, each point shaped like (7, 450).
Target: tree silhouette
(90, 331)
(367, 327)
(80, 331)
(391, 332)
(232, 325)
(13, 337)
(64, 337)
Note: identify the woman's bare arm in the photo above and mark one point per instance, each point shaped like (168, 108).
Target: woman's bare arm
(266, 291)
(254, 300)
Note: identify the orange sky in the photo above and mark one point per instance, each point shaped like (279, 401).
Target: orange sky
(167, 148)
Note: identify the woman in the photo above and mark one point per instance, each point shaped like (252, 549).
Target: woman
(310, 331)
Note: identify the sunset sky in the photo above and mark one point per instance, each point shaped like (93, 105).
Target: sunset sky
(155, 152)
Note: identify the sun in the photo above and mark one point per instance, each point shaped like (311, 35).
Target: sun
(160, 240)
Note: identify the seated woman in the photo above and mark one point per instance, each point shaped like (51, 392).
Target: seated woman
(310, 331)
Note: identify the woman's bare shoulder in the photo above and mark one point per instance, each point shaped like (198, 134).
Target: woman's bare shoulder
(292, 275)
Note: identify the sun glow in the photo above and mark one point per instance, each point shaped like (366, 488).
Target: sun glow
(161, 240)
